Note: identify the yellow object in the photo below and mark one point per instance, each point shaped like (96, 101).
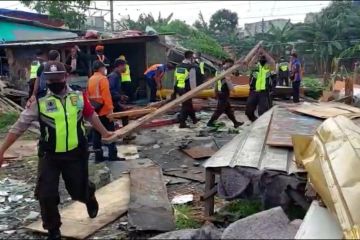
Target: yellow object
(332, 159)
(181, 74)
(202, 67)
(122, 57)
(239, 91)
(125, 76)
(33, 69)
(262, 74)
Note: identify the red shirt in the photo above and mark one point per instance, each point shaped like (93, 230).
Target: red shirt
(88, 108)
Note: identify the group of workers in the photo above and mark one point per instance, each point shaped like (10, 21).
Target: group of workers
(61, 111)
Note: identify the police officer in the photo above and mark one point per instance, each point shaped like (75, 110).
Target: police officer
(185, 80)
(200, 69)
(222, 90)
(62, 145)
(283, 72)
(126, 83)
(260, 89)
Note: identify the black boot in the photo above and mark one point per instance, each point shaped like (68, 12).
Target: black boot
(99, 156)
(54, 234)
(237, 124)
(92, 207)
(183, 125)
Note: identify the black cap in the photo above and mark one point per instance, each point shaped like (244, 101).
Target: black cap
(119, 62)
(53, 54)
(54, 70)
(97, 65)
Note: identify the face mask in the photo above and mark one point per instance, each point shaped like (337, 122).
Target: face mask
(56, 87)
(262, 62)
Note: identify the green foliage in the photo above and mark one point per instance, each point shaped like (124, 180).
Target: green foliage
(224, 21)
(7, 119)
(314, 87)
(236, 210)
(184, 217)
(71, 12)
(193, 39)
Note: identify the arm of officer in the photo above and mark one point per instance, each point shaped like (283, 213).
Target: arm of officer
(192, 78)
(90, 116)
(27, 116)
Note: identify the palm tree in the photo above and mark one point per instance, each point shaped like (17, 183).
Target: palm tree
(278, 38)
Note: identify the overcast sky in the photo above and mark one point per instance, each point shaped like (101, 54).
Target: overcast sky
(248, 11)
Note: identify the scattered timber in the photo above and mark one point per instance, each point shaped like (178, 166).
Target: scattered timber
(136, 124)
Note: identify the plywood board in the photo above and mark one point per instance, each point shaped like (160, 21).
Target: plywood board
(199, 152)
(113, 202)
(327, 110)
(149, 208)
(285, 123)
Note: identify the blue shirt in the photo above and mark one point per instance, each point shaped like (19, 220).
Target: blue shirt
(161, 68)
(115, 85)
(296, 68)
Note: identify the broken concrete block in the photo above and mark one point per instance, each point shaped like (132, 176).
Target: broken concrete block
(270, 224)
(208, 231)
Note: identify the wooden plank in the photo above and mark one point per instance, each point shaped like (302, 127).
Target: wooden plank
(285, 123)
(209, 184)
(327, 110)
(131, 113)
(149, 208)
(136, 124)
(199, 152)
(187, 174)
(113, 201)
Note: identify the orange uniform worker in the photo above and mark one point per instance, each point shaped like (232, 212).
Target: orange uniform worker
(100, 97)
(154, 75)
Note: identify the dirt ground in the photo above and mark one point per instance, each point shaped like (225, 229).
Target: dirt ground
(161, 145)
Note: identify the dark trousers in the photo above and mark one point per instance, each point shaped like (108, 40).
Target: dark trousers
(296, 91)
(283, 79)
(187, 109)
(73, 166)
(152, 86)
(127, 88)
(257, 99)
(99, 155)
(223, 106)
(118, 108)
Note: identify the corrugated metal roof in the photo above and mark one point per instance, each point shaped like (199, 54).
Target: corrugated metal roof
(248, 149)
(82, 41)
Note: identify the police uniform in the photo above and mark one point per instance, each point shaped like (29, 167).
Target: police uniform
(62, 149)
(283, 74)
(222, 88)
(260, 89)
(182, 86)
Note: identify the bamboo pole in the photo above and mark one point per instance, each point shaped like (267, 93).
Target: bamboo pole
(147, 118)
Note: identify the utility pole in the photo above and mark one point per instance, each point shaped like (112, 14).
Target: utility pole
(112, 15)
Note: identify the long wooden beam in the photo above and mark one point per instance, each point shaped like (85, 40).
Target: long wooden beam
(136, 124)
(131, 113)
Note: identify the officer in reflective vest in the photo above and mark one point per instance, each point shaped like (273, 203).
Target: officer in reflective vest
(260, 89)
(200, 70)
(185, 80)
(283, 72)
(62, 146)
(222, 90)
(126, 84)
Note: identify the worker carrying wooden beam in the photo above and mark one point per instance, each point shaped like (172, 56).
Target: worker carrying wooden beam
(62, 146)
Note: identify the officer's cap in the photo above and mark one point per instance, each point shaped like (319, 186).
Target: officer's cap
(54, 70)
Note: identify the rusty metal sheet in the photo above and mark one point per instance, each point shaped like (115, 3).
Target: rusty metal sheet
(149, 207)
(285, 123)
(199, 152)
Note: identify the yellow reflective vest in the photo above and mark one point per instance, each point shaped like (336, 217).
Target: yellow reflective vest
(284, 66)
(33, 69)
(125, 76)
(61, 122)
(181, 75)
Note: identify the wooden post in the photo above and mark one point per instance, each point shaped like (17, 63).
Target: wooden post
(209, 184)
(136, 124)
